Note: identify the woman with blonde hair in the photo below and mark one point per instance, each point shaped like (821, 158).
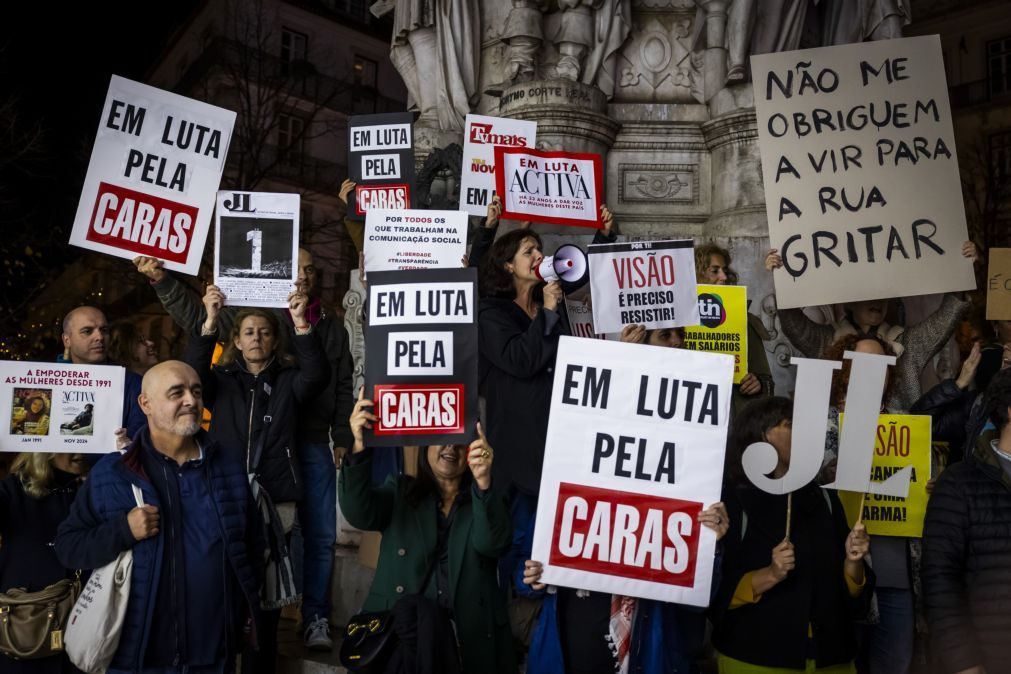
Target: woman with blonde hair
(34, 499)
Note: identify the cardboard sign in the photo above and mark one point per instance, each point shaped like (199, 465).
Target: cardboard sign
(418, 239)
(155, 167)
(559, 188)
(861, 179)
(634, 452)
(422, 367)
(380, 162)
(481, 136)
(998, 285)
(256, 251)
(649, 283)
(579, 308)
(60, 407)
(723, 318)
(901, 440)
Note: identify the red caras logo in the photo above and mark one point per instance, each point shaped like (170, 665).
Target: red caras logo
(368, 197)
(482, 134)
(141, 223)
(418, 408)
(625, 534)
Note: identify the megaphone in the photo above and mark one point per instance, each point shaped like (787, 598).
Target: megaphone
(568, 265)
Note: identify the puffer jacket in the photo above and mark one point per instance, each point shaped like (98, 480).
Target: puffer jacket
(248, 409)
(967, 563)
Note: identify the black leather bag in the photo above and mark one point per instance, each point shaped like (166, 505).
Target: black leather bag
(368, 640)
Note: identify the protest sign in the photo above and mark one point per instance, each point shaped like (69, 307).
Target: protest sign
(723, 328)
(579, 308)
(414, 239)
(634, 452)
(862, 187)
(154, 170)
(481, 136)
(998, 285)
(256, 251)
(559, 188)
(422, 367)
(649, 283)
(60, 407)
(900, 440)
(380, 162)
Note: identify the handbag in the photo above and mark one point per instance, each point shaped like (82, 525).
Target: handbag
(32, 623)
(96, 622)
(365, 640)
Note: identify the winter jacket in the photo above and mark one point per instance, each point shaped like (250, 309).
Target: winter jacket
(919, 344)
(327, 415)
(97, 530)
(967, 563)
(249, 409)
(948, 407)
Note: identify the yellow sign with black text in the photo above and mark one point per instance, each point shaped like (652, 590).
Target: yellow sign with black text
(902, 440)
(723, 312)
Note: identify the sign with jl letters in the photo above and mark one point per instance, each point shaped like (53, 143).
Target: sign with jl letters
(861, 179)
(634, 452)
(256, 251)
(380, 162)
(723, 325)
(481, 136)
(559, 188)
(155, 167)
(60, 407)
(649, 283)
(414, 239)
(901, 440)
(998, 285)
(421, 373)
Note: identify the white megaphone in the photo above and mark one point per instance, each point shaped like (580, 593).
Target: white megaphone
(568, 265)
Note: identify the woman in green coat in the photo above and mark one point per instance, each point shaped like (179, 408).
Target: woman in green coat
(443, 533)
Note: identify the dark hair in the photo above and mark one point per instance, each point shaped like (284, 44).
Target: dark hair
(280, 343)
(841, 378)
(750, 426)
(494, 280)
(123, 337)
(997, 399)
(425, 484)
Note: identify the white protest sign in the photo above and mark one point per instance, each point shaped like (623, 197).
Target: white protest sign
(414, 239)
(481, 136)
(649, 283)
(60, 407)
(154, 171)
(559, 188)
(862, 187)
(634, 452)
(256, 251)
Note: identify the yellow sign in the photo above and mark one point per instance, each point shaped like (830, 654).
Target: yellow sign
(723, 311)
(902, 440)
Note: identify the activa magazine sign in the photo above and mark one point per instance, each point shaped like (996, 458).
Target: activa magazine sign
(560, 188)
(60, 407)
(421, 372)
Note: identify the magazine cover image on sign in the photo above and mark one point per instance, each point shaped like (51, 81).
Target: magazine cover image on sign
(77, 413)
(256, 248)
(30, 410)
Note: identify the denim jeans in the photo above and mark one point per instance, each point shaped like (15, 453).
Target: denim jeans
(317, 515)
(888, 646)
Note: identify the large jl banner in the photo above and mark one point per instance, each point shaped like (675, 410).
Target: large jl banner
(649, 283)
(634, 452)
(559, 188)
(154, 172)
(900, 440)
(862, 187)
(481, 136)
(723, 325)
(60, 407)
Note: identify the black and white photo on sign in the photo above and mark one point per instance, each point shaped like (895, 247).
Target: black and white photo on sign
(256, 256)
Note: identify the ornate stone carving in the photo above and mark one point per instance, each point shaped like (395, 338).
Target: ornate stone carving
(438, 181)
(656, 63)
(659, 183)
(354, 305)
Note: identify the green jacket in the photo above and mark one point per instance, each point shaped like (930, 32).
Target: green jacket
(480, 533)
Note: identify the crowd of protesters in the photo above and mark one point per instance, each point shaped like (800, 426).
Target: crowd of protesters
(224, 508)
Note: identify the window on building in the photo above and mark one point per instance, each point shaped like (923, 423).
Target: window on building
(291, 139)
(294, 48)
(998, 66)
(363, 89)
(1000, 155)
(364, 71)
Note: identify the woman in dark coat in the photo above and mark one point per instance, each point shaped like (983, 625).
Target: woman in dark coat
(443, 532)
(34, 499)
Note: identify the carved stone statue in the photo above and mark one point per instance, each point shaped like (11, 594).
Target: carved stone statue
(849, 21)
(523, 34)
(436, 50)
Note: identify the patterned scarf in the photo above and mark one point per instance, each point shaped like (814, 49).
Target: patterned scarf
(620, 637)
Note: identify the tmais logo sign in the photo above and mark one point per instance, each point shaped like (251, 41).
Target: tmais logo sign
(482, 134)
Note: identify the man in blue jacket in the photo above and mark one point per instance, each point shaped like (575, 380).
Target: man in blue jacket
(195, 584)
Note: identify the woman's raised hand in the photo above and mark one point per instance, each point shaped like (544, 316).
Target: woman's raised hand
(773, 260)
(552, 295)
(214, 299)
(361, 418)
(297, 303)
(479, 457)
(633, 334)
(715, 517)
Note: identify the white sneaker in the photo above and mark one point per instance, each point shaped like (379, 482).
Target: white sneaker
(317, 635)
